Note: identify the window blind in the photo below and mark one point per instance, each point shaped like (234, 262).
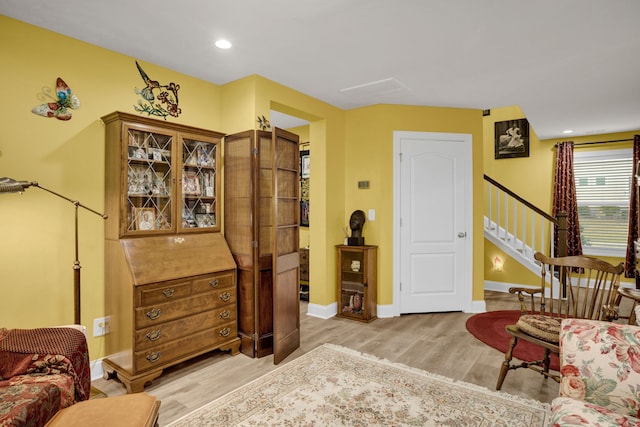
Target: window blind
(603, 185)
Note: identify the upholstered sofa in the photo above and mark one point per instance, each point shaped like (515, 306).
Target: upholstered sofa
(41, 371)
(600, 367)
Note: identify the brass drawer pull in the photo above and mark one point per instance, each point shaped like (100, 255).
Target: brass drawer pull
(225, 296)
(214, 283)
(154, 314)
(225, 332)
(168, 292)
(153, 335)
(225, 314)
(153, 357)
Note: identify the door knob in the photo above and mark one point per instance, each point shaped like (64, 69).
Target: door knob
(462, 234)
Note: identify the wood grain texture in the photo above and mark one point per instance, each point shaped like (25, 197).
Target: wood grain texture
(435, 342)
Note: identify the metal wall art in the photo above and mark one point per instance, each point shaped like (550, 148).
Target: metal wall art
(157, 100)
(264, 123)
(63, 102)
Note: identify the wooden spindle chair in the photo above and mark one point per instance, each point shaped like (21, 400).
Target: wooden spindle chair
(571, 287)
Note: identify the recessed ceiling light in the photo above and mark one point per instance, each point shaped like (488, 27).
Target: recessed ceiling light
(223, 44)
(567, 131)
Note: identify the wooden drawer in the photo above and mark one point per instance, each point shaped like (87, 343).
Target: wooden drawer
(161, 292)
(214, 282)
(165, 332)
(162, 355)
(160, 313)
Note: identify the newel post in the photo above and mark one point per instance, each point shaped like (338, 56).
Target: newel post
(562, 234)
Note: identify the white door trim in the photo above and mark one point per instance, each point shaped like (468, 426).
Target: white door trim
(467, 289)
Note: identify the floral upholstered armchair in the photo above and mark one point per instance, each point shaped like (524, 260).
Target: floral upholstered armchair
(600, 367)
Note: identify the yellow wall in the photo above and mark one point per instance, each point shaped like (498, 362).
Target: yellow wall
(37, 251)
(37, 228)
(327, 131)
(510, 268)
(36, 257)
(369, 155)
(532, 177)
(303, 133)
(238, 99)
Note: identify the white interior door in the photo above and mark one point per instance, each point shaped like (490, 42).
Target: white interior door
(433, 215)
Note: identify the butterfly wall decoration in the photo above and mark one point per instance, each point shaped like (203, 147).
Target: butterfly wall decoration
(63, 102)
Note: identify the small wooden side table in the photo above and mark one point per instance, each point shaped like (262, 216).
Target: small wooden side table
(634, 295)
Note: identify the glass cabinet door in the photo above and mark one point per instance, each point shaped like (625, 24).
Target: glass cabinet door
(148, 182)
(198, 191)
(353, 283)
(160, 177)
(357, 282)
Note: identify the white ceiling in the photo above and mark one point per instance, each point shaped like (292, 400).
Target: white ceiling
(568, 64)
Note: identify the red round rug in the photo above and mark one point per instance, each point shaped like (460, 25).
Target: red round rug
(489, 328)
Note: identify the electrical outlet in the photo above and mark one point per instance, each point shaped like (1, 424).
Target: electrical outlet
(101, 326)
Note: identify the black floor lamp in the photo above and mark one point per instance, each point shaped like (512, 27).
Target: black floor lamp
(8, 185)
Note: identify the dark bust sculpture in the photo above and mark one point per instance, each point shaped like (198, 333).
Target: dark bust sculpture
(356, 222)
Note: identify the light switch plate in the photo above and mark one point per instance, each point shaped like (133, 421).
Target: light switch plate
(372, 215)
(101, 326)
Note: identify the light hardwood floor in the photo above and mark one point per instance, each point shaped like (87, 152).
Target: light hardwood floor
(435, 342)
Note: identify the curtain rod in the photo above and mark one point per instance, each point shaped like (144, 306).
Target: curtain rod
(578, 144)
(602, 142)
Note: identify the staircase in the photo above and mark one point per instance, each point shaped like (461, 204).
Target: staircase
(518, 227)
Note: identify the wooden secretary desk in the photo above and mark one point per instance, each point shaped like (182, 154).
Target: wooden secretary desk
(170, 278)
(262, 228)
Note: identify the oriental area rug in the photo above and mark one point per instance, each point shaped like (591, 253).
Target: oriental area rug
(489, 328)
(336, 386)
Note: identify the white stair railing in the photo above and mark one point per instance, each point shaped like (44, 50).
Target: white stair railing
(516, 226)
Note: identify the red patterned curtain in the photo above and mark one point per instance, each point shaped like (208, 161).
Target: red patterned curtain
(564, 198)
(633, 212)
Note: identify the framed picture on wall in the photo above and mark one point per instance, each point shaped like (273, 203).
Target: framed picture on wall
(305, 164)
(305, 173)
(512, 139)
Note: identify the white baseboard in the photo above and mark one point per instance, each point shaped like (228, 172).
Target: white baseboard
(504, 287)
(328, 311)
(478, 306)
(322, 311)
(388, 310)
(499, 286)
(96, 369)
(385, 311)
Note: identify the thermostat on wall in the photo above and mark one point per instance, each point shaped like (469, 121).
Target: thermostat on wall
(363, 184)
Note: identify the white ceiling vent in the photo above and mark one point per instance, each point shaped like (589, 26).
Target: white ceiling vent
(377, 89)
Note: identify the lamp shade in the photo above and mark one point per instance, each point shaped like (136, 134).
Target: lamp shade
(10, 185)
